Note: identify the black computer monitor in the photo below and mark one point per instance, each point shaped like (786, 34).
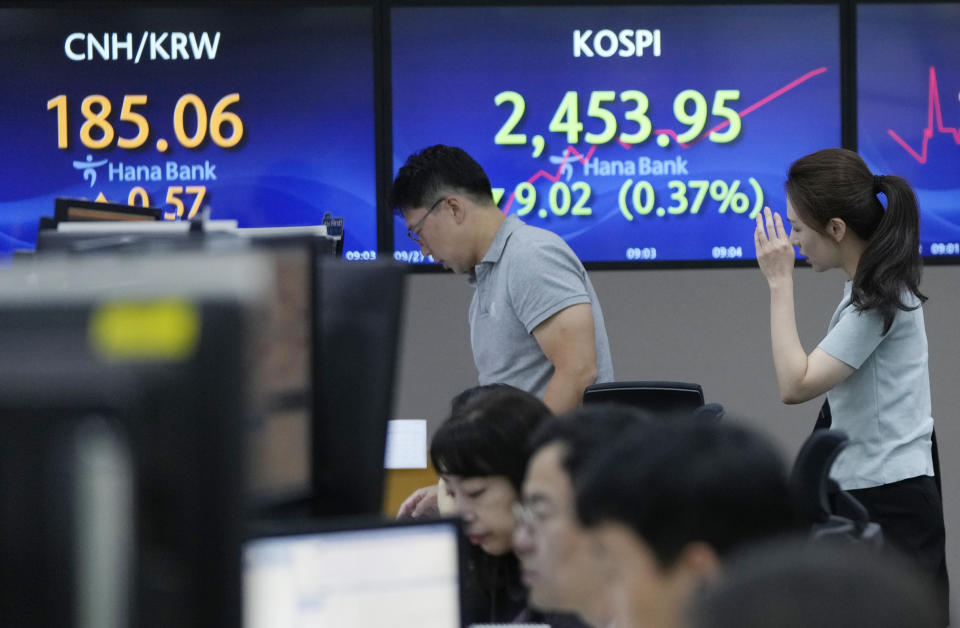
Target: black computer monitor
(354, 574)
(325, 366)
(356, 326)
(83, 210)
(140, 234)
(124, 392)
(122, 236)
(358, 313)
(280, 437)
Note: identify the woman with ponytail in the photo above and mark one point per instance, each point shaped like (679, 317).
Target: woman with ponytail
(872, 364)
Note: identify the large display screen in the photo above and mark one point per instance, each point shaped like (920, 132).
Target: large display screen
(263, 114)
(637, 133)
(908, 109)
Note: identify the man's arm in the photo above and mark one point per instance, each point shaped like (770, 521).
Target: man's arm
(567, 339)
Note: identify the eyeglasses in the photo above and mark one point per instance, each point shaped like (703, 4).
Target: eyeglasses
(414, 231)
(529, 518)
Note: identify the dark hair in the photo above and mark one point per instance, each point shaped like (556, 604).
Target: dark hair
(674, 484)
(427, 171)
(472, 394)
(488, 435)
(583, 430)
(836, 183)
(816, 585)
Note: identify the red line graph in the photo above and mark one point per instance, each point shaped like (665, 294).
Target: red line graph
(556, 176)
(933, 110)
(744, 112)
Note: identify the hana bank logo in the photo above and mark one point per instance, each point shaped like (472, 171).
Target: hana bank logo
(89, 168)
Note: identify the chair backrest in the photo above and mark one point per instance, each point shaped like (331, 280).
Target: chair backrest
(812, 487)
(810, 476)
(665, 399)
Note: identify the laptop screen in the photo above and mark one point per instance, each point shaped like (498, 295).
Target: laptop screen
(385, 574)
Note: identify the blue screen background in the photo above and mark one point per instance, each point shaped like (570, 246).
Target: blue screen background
(305, 79)
(449, 64)
(904, 51)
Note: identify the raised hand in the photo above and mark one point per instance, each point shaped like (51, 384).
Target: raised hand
(775, 253)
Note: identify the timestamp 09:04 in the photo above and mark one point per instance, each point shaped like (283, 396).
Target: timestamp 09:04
(640, 198)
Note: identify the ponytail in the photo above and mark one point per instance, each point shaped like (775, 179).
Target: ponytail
(836, 183)
(891, 264)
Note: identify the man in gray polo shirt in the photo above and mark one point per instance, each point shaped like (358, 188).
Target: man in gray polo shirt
(535, 322)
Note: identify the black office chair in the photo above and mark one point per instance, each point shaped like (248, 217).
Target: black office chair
(663, 399)
(812, 488)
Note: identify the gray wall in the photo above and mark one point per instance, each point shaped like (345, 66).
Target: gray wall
(705, 326)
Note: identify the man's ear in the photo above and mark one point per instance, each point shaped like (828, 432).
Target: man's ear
(458, 208)
(836, 229)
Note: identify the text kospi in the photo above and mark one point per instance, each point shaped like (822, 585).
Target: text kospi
(625, 43)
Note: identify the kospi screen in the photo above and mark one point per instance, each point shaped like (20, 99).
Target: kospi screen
(263, 113)
(637, 133)
(908, 109)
